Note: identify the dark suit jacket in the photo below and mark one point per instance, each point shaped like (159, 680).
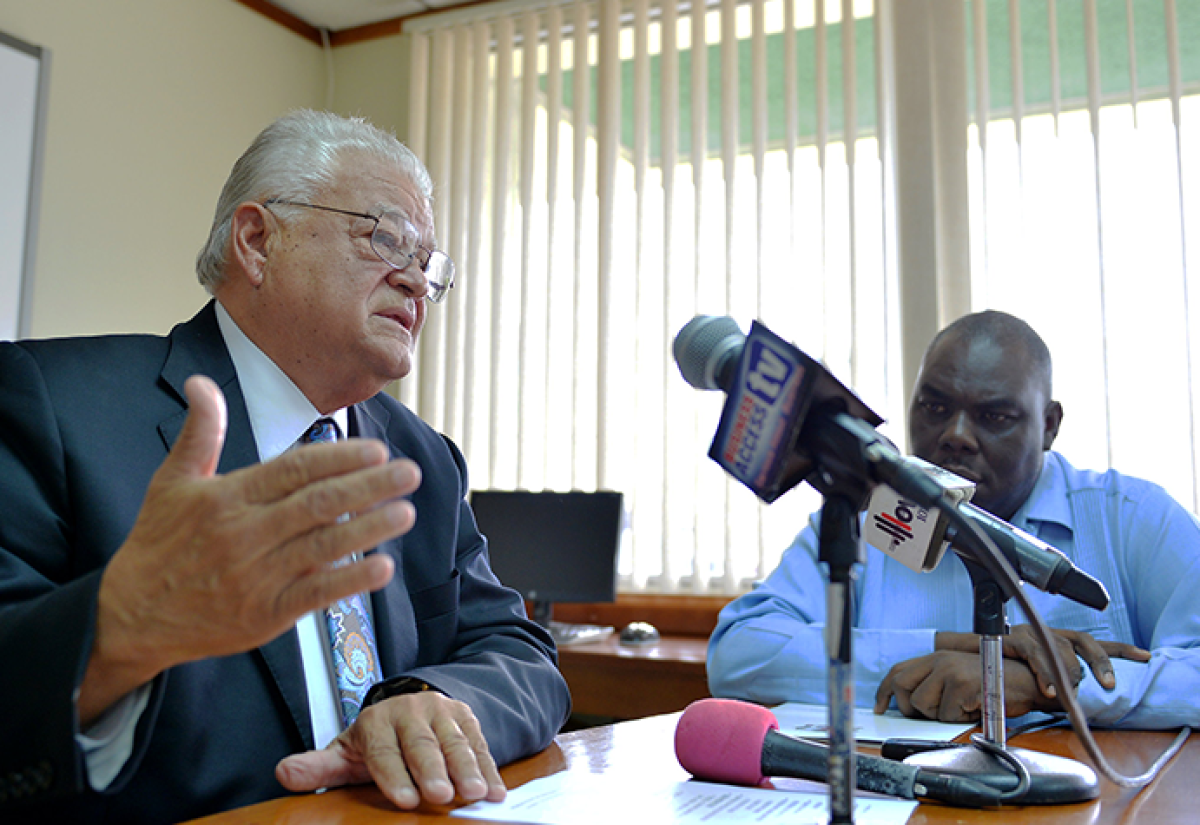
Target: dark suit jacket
(84, 423)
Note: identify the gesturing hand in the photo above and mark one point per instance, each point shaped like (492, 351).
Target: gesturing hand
(216, 565)
(417, 746)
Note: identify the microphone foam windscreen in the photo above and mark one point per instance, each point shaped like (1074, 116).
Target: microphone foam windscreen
(722, 740)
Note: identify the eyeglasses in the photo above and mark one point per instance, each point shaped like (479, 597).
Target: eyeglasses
(394, 240)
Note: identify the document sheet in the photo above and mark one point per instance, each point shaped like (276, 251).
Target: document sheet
(593, 798)
(812, 722)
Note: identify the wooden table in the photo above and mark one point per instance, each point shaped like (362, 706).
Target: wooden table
(645, 747)
(615, 681)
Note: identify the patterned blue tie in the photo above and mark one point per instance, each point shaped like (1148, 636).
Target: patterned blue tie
(354, 653)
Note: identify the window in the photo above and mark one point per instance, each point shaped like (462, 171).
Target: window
(608, 170)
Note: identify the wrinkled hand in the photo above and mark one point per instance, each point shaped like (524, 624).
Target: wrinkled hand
(417, 746)
(946, 685)
(1022, 644)
(216, 565)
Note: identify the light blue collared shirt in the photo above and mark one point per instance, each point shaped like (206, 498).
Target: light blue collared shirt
(1130, 534)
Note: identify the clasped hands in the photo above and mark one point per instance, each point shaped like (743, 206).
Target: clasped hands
(946, 685)
(220, 564)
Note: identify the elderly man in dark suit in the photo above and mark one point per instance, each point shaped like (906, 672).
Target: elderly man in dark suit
(170, 553)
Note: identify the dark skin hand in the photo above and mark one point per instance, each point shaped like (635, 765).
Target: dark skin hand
(1073, 645)
(946, 685)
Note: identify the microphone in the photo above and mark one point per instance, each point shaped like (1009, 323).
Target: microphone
(787, 419)
(1043, 566)
(782, 419)
(722, 740)
(918, 537)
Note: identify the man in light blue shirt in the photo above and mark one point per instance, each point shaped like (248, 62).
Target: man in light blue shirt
(982, 408)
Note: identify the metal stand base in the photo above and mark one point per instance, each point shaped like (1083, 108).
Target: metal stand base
(1053, 780)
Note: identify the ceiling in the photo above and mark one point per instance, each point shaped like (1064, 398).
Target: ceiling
(336, 15)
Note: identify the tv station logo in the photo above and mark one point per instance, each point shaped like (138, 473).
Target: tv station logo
(767, 374)
(760, 411)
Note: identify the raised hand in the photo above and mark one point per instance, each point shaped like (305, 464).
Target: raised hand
(216, 565)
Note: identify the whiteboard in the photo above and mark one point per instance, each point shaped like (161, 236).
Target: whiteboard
(24, 71)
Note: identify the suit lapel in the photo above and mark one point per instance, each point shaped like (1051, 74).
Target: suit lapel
(391, 606)
(197, 347)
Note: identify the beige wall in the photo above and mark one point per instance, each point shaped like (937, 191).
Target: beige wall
(371, 81)
(151, 101)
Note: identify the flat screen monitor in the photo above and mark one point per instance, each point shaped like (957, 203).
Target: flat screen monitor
(552, 547)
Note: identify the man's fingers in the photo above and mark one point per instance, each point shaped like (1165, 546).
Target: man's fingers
(444, 758)
(1039, 663)
(304, 467)
(428, 754)
(1121, 650)
(959, 702)
(884, 693)
(310, 530)
(198, 449)
(926, 698)
(1023, 645)
(900, 682)
(325, 544)
(328, 500)
(366, 575)
(384, 762)
(418, 747)
(313, 770)
(1092, 652)
(466, 752)
(429, 743)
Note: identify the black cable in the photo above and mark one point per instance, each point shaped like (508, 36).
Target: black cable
(1004, 755)
(998, 566)
(884, 465)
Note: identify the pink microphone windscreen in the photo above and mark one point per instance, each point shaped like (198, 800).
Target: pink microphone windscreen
(722, 739)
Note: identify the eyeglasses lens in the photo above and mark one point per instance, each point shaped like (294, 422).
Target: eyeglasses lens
(395, 240)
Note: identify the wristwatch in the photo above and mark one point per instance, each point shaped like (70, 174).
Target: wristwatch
(398, 686)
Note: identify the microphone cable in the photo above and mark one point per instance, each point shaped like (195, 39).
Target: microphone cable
(997, 564)
(886, 468)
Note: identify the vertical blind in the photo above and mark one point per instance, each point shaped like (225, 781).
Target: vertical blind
(607, 170)
(1083, 161)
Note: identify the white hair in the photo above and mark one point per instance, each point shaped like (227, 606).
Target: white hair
(294, 159)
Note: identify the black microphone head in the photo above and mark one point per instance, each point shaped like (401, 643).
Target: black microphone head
(703, 348)
(1080, 587)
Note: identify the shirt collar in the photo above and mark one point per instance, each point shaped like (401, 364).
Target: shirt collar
(1047, 501)
(279, 412)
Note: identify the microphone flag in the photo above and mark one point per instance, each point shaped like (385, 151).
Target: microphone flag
(913, 535)
(772, 392)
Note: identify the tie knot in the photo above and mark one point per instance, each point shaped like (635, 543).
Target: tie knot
(322, 430)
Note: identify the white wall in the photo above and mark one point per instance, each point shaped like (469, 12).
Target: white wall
(151, 102)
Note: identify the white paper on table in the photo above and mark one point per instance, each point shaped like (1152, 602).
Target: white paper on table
(812, 722)
(595, 798)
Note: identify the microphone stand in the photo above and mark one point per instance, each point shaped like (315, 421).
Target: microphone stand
(840, 550)
(1052, 779)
